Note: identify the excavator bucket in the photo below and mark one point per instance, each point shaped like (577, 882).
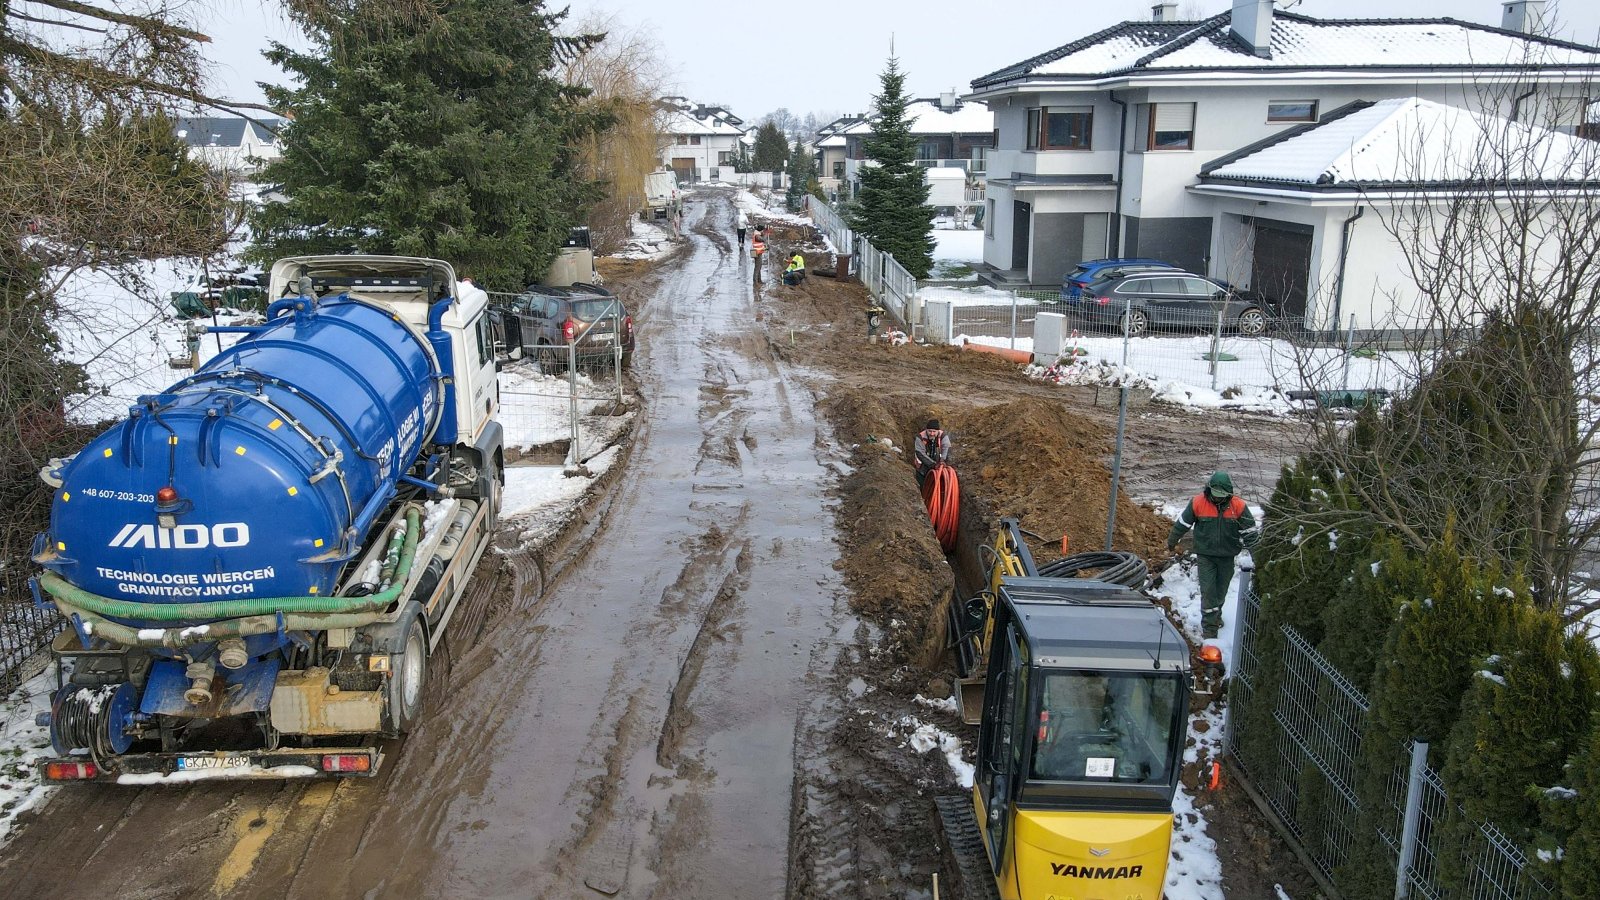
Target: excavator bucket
(969, 694)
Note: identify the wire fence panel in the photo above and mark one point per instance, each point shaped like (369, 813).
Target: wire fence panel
(1308, 778)
(24, 630)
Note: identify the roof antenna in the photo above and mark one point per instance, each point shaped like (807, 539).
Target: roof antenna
(1161, 644)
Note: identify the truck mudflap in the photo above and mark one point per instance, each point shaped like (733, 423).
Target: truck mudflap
(182, 768)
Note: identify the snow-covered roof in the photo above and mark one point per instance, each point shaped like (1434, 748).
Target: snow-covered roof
(832, 140)
(1298, 42)
(222, 131)
(927, 117)
(677, 121)
(1408, 140)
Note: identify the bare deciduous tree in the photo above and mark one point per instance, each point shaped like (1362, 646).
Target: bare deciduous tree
(624, 74)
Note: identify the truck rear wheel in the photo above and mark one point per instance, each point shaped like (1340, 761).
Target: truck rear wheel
(408, 681)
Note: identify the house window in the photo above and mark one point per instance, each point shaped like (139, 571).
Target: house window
(694, 140)
(1171, 127)
(724, 157)
(988, 218)
(1292, 111)
(928, 150)
(1060, 128)
(838, 170)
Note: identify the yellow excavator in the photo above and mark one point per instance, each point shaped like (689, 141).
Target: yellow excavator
(1083, 721)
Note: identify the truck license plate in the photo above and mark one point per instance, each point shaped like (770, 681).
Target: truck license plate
(191, 763)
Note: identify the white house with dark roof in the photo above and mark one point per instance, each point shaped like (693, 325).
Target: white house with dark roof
(229, 142)
(698, 142)
(1243, 145)
(954, 136)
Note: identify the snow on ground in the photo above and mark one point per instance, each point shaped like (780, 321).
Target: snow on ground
(768, 205)
(646, 240)
(22, 745)
(920, 737)
(1195, 872)
(1177, 369)
(531, 490)
(958, 245)
(960, 297)
(536, 409)
(120, 328)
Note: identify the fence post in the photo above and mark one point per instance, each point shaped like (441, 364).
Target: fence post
(1013, 320)
(1349, 348)
(1216, 349)
(1413, 818)
(1247, 573)
(574, 454)
(1122, 427)
(619, 369)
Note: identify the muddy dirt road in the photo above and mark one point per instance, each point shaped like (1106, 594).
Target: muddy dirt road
(631, 730)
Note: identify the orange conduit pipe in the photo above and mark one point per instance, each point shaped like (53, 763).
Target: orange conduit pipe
(942, 494)
(1021, 357)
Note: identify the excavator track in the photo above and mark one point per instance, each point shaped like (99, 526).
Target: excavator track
(966, 848)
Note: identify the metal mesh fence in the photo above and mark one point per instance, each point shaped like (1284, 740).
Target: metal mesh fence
(1308, 780)
(24, 629)
(1235, 351)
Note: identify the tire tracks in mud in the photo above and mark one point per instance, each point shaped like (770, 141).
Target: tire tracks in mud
(680, 715)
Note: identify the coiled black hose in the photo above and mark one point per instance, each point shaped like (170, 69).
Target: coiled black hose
(1115, 566)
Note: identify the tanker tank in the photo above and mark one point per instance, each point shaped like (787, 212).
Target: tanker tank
(260, 475)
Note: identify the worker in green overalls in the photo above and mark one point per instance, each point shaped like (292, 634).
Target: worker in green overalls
(1222, 526)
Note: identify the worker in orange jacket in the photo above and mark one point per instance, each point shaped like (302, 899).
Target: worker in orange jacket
(1223, 525)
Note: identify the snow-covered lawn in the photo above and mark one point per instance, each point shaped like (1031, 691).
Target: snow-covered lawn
(958, 244)
(646, 240)
(1177, 369)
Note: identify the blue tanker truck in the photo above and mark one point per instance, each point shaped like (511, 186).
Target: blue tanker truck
(257, 562)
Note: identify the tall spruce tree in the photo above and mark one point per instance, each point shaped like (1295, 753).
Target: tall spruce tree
(446, 135)
(802, 174)
(772, 148)
(892, 208)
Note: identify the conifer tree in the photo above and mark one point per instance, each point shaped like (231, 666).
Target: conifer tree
(892, 208)
(772, 149)
(802, 175)
(447, 136)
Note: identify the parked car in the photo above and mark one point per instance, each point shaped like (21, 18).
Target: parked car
(1092, 270)
(541, 321)
(1173, 298)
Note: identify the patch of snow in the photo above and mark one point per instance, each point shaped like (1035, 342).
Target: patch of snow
(536, 489)
(1497, 679)
(1560, 793)
(1282, 894)
(1550, 855)
(23, 745)
(958, 245)
(922, 737)
(646, 240)
(942, 704)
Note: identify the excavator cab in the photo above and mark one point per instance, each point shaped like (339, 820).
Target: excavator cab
(1083, 728)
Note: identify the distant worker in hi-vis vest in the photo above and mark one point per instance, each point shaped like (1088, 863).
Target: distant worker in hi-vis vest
(1222, 526)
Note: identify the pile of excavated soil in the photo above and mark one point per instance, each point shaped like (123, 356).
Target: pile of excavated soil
(1044, 465)
(889, 555)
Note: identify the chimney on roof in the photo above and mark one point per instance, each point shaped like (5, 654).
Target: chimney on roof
(1523, 15)
(1252, 22)
(1164, 12)
(947, 99)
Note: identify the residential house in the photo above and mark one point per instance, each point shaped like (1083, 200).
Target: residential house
(229, 142)
(952, 134)
(699, 141)
(828, 146)
(1225, 145)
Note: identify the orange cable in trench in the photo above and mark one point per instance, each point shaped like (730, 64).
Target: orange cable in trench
(942, 493)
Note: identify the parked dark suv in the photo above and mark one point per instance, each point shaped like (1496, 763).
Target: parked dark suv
(1091, 270)
(542, 321)
(1173, 298)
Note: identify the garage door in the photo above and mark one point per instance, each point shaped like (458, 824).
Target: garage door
(1282, 265)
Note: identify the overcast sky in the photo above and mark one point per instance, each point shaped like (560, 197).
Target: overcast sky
(825, 56)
